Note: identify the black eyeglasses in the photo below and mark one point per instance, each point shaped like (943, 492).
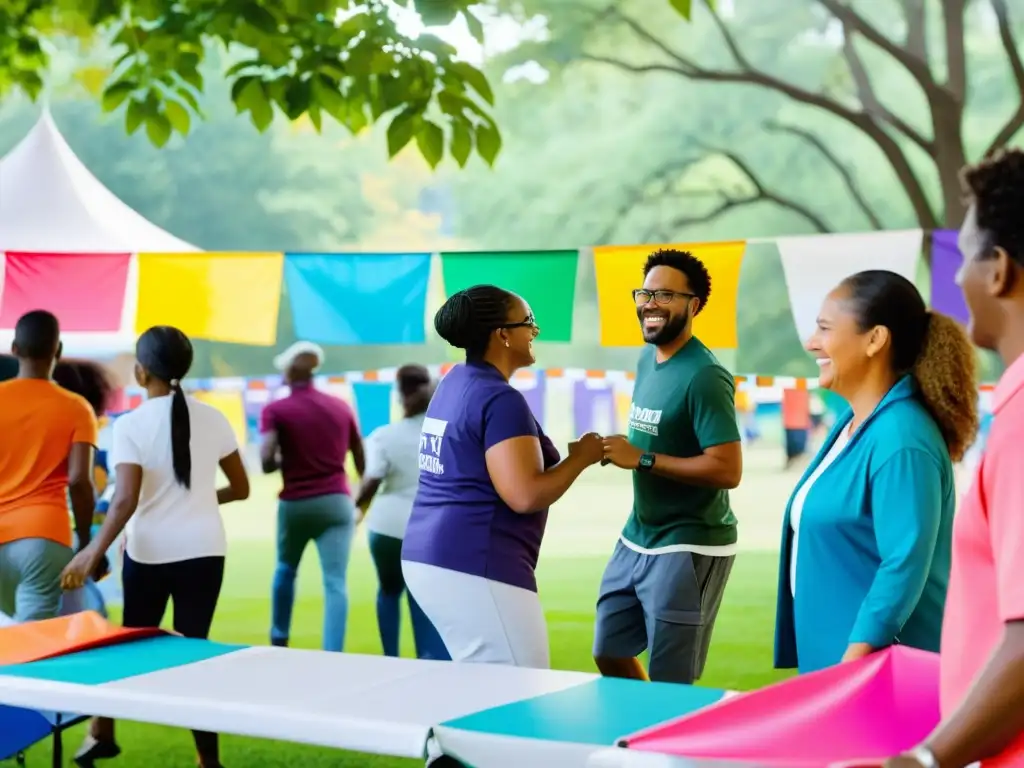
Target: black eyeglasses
(529, 322)
(642, 296)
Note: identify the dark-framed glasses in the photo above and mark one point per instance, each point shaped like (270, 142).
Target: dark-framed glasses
(642, 296)
(529, 322)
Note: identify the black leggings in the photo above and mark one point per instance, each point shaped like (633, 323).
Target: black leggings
(193, 586)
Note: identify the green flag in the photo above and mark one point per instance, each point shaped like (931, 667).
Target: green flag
(546, 279)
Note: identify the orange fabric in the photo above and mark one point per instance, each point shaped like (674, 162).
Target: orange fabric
(39, 422)
(796, 409)
(46, 639)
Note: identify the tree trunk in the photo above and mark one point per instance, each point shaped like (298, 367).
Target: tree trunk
(949, 155)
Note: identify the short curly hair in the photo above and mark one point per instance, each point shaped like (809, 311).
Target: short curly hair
(697, 274)
(995, 186)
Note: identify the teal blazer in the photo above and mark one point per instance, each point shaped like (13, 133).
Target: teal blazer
(875, 538)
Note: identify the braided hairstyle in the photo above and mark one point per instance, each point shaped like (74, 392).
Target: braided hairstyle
(470, 316)
(166, 354)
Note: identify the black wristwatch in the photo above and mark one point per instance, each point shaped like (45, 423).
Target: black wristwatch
(646, 463)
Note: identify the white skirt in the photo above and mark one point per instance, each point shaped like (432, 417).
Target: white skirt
(480, 620)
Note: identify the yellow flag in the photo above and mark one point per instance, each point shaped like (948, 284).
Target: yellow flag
(229, 403)
(619, 270)
(231, 297)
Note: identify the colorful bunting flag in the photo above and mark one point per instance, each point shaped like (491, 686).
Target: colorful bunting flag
(228, 297)
(815, 264)
(373, 404)
(365, 298)
(232, 405)
(619, 271)
(947, 297)
(545, 279)
(86, 291)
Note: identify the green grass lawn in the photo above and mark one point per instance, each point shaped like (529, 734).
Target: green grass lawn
(740, 655)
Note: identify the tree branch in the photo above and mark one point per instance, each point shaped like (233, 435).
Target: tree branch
(1016, 121)
(760, 194)
(841, 168)
(914, 65)
(747, 74)
(869, 99)
(956, 54)
(916, 43)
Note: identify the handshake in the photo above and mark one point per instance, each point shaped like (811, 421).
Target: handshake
(615, 449)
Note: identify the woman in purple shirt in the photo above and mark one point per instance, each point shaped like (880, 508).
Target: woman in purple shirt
(488, 474)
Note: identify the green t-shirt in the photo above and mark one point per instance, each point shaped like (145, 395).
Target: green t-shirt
(680, 408)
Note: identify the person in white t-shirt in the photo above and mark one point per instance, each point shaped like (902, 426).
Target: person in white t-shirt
(167, 453)
(392, 474)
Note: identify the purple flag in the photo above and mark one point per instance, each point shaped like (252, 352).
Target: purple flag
(533, 391)
(593, 408)
(946, 260)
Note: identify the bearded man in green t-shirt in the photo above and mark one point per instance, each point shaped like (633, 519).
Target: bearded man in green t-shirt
(664, 583)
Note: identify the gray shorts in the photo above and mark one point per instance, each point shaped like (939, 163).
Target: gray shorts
(666, 604)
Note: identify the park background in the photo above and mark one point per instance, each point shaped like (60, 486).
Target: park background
(592, 155)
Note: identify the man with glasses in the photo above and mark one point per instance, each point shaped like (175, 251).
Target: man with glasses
(664, 583)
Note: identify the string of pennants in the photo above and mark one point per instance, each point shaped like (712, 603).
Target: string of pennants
(384, 298)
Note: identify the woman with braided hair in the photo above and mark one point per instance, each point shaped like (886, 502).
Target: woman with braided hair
(488, 474)
(166, 453)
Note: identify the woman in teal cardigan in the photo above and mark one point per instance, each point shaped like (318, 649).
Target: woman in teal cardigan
(866, 538)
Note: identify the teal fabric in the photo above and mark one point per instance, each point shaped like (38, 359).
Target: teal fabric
(117, 662)
(597, 712)
(874, 549)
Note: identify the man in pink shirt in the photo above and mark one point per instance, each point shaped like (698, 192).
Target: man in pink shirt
(308, 436)
(982, 659)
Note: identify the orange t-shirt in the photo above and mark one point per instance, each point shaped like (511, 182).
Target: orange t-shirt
(39, 422)
(796, 409)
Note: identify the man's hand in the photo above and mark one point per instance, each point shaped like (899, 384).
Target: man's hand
(618, 451)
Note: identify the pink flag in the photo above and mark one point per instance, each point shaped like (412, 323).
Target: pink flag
(85, 291)
(865, 710)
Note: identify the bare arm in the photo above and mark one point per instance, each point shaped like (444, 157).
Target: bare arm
(270, 452)
(355, 443)
(122, 507)
(720, 466)
(81, 490)
(516, 467)
(367, 491)
(238, 479)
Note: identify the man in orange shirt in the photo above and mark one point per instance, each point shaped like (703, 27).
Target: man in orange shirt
(47, 440)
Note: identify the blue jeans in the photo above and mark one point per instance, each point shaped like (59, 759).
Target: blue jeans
(30, 578)
(330, 522)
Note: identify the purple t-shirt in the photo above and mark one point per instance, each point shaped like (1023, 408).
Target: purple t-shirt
(314, 430)
(458, 519)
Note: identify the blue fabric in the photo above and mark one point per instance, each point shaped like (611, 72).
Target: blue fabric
(373, 404)
(598, 712)
(122, 660)
(20, 729)
(874, 549)
(365, 298)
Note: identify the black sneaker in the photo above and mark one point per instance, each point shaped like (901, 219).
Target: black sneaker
(93, 750)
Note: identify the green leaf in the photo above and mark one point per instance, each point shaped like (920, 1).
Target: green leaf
(314, 117)
(178, 117)
(134, 116)
(252, 98)
(192, 76)
(462, 142)
(488, 142)
(116, 93)
(476, 28)
(430, 140)
(240, 67)
(260, 18)
(474, 78)
(189, 98)
(158, 128)
(297, 99)
(402, 129)
(682, 7)
(436, 13)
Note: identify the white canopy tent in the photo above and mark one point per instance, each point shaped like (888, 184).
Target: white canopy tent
(51, 203)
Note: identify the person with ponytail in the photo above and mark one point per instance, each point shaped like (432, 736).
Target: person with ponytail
(166, 454)
(388, 491)
(866, 537)
(488, 474)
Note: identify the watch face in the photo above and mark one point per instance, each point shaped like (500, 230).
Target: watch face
(647, 461)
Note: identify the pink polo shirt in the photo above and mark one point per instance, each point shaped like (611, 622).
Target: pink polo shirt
(986, 582)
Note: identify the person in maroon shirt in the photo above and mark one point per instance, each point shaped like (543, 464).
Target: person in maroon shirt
(308, 436)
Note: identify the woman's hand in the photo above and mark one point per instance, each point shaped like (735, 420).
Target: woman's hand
(857, 651)
(590, 448)
(81, 567)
